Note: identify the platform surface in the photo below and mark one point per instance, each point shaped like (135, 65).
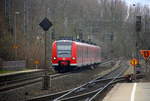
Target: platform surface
(129, 92)
(20, 72)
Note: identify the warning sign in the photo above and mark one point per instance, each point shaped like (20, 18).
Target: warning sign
(15, 46)
(37, 62)
(134, 62)
(145, 54)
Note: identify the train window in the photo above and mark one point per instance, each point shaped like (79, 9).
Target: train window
(64, 49)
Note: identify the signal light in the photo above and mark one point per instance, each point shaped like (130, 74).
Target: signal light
(36, 62)
(54, 58)
(73, 58)
(138, 23)
(134, 62)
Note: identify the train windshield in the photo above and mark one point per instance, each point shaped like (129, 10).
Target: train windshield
(64, 49)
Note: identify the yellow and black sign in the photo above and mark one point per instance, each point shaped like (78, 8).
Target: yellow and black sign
(37, 62)
(134, 62)
(15, 46)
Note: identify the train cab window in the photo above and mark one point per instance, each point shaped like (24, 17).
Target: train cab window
(64, 49)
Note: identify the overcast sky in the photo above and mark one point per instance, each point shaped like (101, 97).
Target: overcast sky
(143, 2)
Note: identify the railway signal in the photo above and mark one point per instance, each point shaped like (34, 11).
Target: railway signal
(138, 28)
(134, 62)
(36, 62)
(138, 23)
(145, 54)
(45, 24)
(15, 46)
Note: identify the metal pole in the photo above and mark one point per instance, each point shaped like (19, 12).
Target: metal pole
(15, 37)
(45, 52)
(36, 66)
(24, 17)
(15, 33)
(46, 11)
(146, 69)
(5, 7)
(146, 65)
(134, 73)
(46, 78)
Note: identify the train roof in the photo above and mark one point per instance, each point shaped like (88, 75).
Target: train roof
(78, 42)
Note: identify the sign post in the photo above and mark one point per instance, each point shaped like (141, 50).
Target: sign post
(45, 24)
(36, 62)
(134, 62)
(146, 55)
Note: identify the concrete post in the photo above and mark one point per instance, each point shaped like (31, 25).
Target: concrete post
(46, 82)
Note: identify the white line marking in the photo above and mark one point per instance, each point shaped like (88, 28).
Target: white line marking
(133, 92)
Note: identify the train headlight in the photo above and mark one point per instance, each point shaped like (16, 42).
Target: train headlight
(54, 58)
(73, 58)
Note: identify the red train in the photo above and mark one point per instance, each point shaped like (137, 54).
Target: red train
(67, 54)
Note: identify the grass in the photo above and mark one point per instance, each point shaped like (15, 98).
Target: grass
(10, 71)
(5, 71)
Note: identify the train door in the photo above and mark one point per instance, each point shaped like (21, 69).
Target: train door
(82, 55)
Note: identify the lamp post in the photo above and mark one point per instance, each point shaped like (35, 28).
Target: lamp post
(15, 33)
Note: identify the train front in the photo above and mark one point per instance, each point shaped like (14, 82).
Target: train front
(63, 55)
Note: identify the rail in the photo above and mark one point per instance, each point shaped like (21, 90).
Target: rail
(96, 84)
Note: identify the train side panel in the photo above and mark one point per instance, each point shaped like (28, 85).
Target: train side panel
(87, 55)
(73, 61)
(79, 54)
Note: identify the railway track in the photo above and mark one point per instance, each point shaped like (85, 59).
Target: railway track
(13, 81)
(89, 95)
(87, 90)
(56, 76)
(50, 97)
(90, 90)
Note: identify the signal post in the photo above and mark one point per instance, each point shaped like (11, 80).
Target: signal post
(146, 55)
(134, 62)
(45, 24)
